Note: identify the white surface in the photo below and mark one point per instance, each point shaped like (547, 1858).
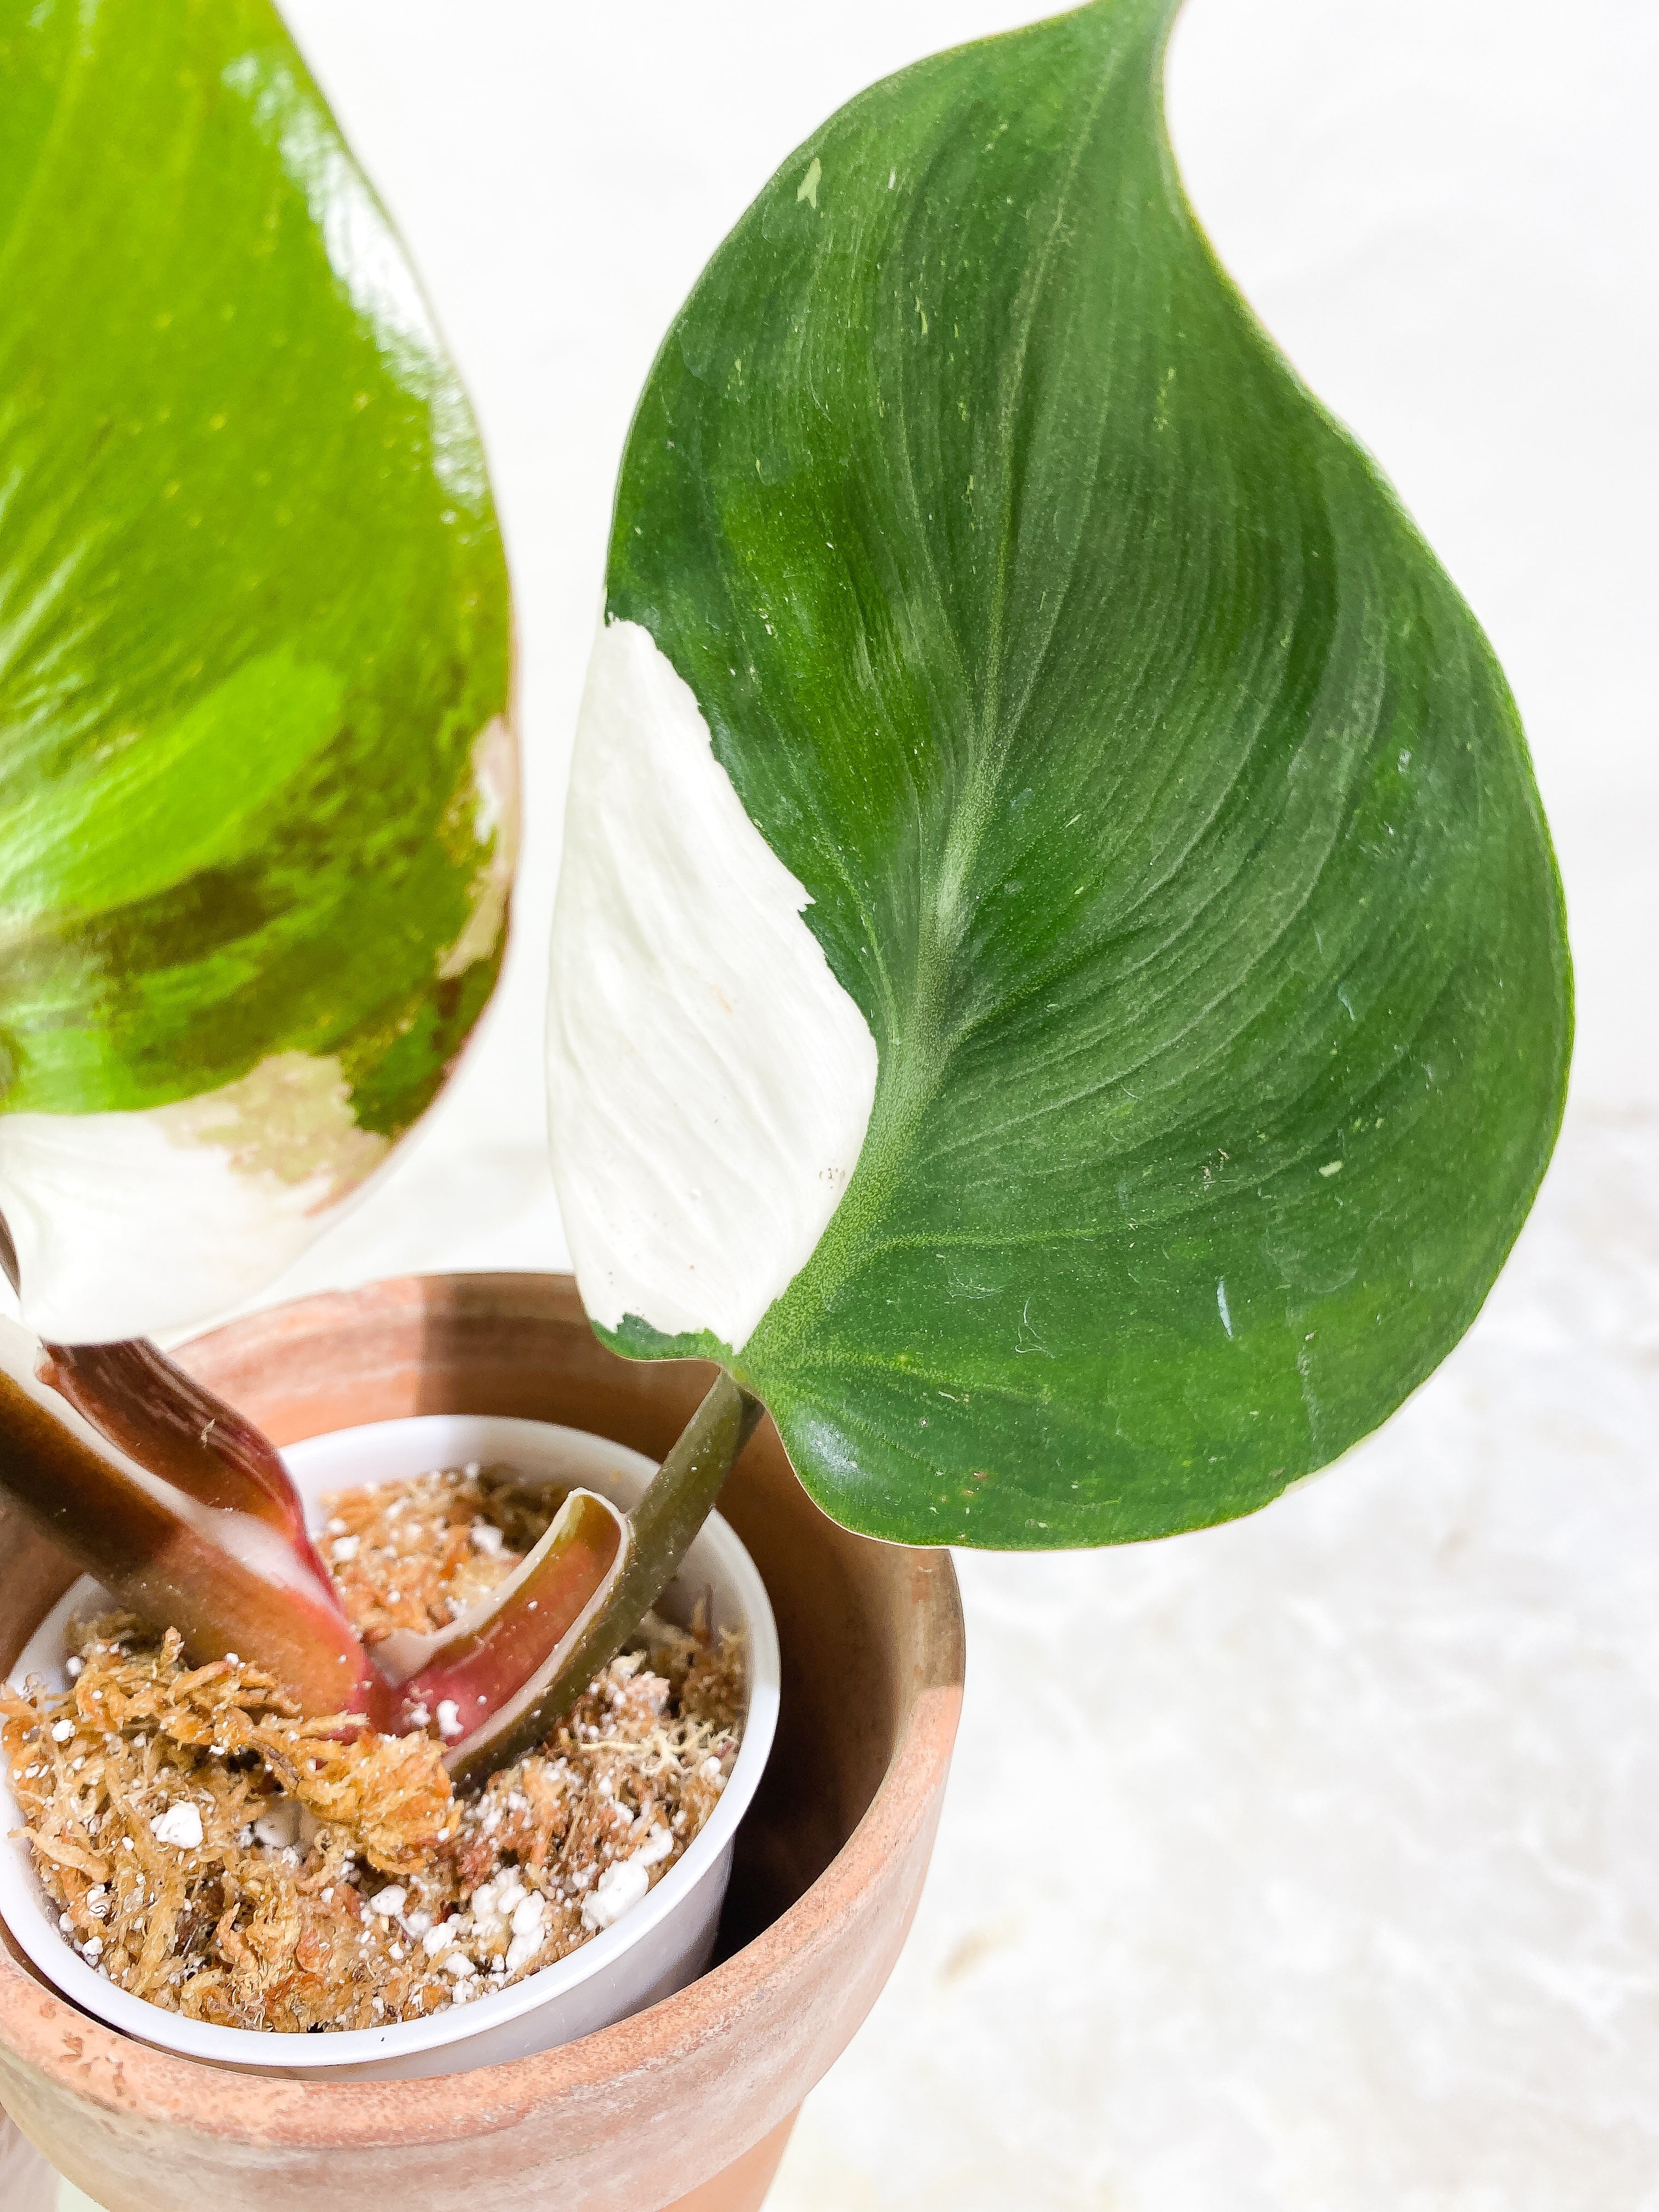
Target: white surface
(1395, 1736)
(649, 1952)
(709, 1081)
(27, 2182)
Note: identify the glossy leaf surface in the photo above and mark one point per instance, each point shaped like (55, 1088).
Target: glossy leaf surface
(255, 782)
(1162, 807)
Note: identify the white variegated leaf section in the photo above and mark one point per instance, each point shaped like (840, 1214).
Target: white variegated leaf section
(153, 1222)
(710, 1080)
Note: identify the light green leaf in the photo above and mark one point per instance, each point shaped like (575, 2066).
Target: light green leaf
(255, 777)
(1161, 807)
(243, 496)
(125, 827)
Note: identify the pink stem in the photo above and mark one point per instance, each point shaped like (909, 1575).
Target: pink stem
(497, 1658)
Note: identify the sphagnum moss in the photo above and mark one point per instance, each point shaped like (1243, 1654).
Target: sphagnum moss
(211, 1851)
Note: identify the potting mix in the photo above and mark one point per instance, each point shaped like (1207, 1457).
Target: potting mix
(209, 1850)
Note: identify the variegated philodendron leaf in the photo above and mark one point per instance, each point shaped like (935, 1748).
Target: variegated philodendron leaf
(1059, 974)
(257, 784)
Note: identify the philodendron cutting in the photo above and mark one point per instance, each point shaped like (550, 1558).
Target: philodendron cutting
(1059, 984)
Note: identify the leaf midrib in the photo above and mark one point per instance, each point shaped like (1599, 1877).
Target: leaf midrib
(924, 1052)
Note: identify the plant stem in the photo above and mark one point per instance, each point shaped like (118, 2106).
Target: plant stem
(661, 1529)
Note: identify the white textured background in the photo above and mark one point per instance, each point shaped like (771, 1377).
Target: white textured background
(1307, 1865)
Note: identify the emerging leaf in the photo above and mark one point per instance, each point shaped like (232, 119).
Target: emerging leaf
(484, 1682)
(256, 779)
(202, 1533)
(140, 1402)
(1059, 974)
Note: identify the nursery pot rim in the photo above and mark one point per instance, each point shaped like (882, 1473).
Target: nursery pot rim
(452, 2028)
(598, 2076)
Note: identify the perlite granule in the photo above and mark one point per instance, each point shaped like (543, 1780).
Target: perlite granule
(212, 1851)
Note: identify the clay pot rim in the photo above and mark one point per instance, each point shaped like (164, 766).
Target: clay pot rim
(93, 2062)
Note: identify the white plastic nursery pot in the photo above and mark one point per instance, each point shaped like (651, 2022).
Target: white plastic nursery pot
(664, 1942)
(685, 2107)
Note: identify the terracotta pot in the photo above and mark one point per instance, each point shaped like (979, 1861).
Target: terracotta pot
(686, 2107)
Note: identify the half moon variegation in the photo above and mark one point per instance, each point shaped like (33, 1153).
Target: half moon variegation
(710, 1080)
(988, 603)
(256, 780)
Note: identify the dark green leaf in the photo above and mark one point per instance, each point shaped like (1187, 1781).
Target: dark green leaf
(1163, 807)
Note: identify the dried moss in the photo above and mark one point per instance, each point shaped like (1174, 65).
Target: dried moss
(337, 1881)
